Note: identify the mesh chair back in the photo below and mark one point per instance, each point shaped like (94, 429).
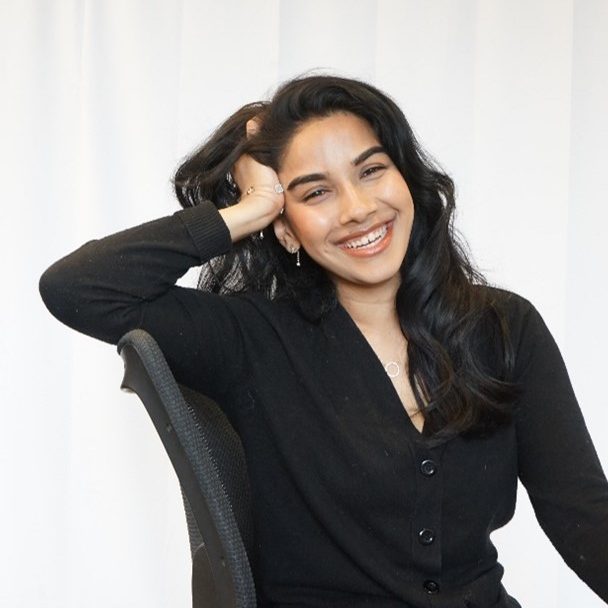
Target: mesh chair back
(208, 458)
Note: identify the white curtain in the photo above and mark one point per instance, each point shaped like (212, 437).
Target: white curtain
(99, 101)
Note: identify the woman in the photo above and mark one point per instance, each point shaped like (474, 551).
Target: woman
(386, 396)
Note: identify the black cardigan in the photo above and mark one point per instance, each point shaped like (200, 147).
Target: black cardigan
(352, 507)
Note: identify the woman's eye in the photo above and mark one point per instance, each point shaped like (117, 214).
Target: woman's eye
(372, 170)
(315, 193)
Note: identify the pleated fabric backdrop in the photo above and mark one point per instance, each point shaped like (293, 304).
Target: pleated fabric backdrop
(100, 100)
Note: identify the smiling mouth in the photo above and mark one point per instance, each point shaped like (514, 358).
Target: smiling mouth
(367, 240)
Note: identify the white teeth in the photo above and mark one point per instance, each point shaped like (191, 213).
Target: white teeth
(368, 239)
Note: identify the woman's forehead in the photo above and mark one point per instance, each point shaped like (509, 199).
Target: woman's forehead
(339, 137)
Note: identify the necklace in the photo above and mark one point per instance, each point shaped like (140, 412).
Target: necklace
(392, 369)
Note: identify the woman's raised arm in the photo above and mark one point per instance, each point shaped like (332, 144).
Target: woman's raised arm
(127, 280)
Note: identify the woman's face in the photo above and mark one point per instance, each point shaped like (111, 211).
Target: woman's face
(346, 204)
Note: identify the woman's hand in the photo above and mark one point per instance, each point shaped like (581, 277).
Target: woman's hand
(262, 196)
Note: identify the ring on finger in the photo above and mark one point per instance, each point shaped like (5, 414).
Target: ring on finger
(278, 188)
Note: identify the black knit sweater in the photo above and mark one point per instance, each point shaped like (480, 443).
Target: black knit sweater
(352, 506)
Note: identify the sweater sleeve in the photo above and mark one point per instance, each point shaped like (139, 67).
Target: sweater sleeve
(558, 464)
(127, 280)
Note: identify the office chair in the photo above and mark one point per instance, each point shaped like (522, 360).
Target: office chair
(208, 458)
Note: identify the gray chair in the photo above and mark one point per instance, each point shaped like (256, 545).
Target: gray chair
(208, 458)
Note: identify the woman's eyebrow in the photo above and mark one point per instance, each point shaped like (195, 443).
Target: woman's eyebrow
(369, 152)
(304, 179)
(315, 177)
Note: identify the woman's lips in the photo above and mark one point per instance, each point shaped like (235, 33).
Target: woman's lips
(370, 243)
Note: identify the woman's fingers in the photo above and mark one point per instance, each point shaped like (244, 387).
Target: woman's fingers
(262, 198)
(252, 126)
(248, 172)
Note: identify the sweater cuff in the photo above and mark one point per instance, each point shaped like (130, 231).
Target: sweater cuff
(207, 229)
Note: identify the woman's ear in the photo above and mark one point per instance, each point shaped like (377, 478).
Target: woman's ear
(285, 234)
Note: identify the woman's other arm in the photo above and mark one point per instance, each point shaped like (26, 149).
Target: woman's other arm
(558, 463)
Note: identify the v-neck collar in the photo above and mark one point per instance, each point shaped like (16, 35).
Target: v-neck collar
(348, 347)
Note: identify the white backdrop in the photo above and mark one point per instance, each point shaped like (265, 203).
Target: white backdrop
(100, 100)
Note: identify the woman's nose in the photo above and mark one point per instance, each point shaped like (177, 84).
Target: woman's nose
(355, 206)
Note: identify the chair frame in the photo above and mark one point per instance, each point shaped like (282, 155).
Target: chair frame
(221, 572)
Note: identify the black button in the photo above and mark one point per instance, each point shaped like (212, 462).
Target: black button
(428, 467)
(431, 586)
(426, 536)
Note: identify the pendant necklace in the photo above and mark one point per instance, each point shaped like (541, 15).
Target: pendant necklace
(392, 369)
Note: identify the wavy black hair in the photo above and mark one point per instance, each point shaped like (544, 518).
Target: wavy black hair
(446, 314)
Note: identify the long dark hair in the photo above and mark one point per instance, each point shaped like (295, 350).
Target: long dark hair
(446, 312)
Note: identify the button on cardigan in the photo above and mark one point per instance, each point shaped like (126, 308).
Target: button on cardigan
(352, 505)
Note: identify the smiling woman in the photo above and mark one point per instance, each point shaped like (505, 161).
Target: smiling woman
(388, 398)
(347, 206)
